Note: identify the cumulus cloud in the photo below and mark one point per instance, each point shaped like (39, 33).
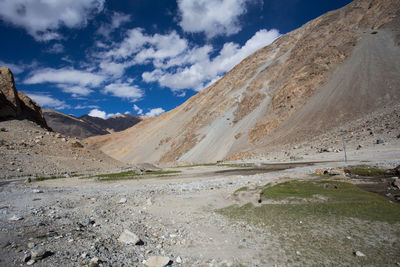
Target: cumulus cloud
(117, 19)
(202, 69)
(48, 101)
(138, 110)
(76, 91)
(124, 90)
(98, 114)
(41, 19)
(155, 112)
(64, 76)
(102, 114)
(213, 17)
(142, 47)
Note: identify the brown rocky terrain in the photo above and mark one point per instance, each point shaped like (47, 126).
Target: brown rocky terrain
(28, 147)
(334, 70)
(15, 104)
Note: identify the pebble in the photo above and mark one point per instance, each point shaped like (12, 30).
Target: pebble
(359, 254)
(31, 245)
(128, 237)
(38, 253)
(15, 218)
(94, 262)
(178, 260)
(37, 191)
(122, 201)
(31, 262)
(157, 261)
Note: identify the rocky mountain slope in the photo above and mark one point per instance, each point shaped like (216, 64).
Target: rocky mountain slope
(15, 104)
(86, 126)
(332, 71)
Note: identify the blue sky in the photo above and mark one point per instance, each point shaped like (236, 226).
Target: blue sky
(103, 57)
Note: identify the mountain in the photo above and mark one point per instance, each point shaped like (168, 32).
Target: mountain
(86, 126)
(15, 104)
(116, 123)
(336, 69)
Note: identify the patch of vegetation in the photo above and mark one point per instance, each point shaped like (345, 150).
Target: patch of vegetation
(131, 175)
(43, 178)
(319, 228)
(244, 188)
(368, 171)
(324, 176)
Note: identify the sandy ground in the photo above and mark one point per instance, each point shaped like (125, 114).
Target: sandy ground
(79, 220)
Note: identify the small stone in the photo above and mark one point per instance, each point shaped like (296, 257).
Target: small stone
(359, 254)
(157, 261)
(3, 129)
(94, 262)
(178, 260)
(67, 175)
(128, 237)
(298, 252)
(348, 237)
(31, 245)
(31, 262)
(380, 141)
(37, 191)
(28, 180)
(15, 218)
(122, 201)
(38, 253)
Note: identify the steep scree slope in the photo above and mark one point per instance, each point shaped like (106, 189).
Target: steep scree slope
(334, 69)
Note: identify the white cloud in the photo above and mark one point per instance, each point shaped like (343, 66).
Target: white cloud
(117, 20)
(56, 49)
(213, 17)
(98, 114)
(48, 101)
(138, 110)
(204, 70)
(42, 18)
(85, 106)
(155, 112)
(124, 90)
(64, 76)
(142, 47)
(76, 91)
(102, 114)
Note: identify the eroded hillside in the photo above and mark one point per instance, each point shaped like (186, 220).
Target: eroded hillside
(334, 69)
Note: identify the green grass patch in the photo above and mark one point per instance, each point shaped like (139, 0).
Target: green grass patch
(368, 171)
(242, 189)
(318, 228)
(43, 178)
(131, 175)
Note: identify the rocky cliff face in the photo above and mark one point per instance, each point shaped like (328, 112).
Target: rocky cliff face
(15, 104)
(334, 69)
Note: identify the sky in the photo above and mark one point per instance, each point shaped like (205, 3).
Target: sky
(144, 57)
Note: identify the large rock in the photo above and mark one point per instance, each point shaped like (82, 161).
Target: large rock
(15, 104)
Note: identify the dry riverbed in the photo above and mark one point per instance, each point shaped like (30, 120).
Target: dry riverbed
(188, 216)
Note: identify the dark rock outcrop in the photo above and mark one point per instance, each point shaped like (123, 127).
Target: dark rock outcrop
(15, 104)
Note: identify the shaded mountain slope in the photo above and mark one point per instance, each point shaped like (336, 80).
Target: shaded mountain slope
(334, 69)
(86, 126)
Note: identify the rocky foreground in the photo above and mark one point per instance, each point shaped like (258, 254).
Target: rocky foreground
(161, 220)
